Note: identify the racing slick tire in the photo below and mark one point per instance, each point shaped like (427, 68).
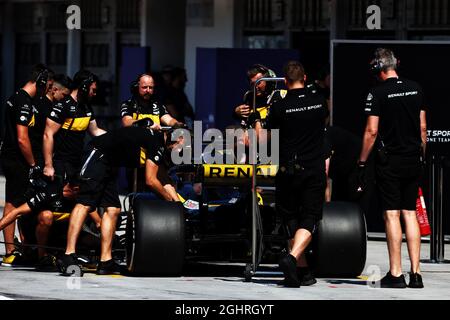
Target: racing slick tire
(155, 238)
(339, 247)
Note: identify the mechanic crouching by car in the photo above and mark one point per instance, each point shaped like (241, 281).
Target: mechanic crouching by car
(98, 186)
(301, 180)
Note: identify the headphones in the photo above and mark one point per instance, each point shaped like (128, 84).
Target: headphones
(134, 86)
(86, 84)
(267, 73)
(42, 79)
(377, 65)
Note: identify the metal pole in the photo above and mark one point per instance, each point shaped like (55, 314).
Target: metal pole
(255, 207)
(433, 255)
(437, 239)
(439, 219)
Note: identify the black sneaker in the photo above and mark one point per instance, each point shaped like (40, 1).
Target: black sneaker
(306, 277)
(288, 264)
(108, 267)
(415, 281)
(47, 264)
(65, 261)
(389, 281)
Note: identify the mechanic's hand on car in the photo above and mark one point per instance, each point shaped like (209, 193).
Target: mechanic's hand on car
(180, 125)
(243, 110)
(49, 171)
(156, 127)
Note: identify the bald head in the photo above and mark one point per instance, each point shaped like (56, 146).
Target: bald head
(146, 87)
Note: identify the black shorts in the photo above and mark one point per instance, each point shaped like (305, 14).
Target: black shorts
(300, 198)
(398, 182)
(17, 181)
(70, 172)
(98, 182)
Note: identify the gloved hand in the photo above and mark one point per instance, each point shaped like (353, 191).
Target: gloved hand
(35, 172)
(361, 177)
(253, 117)
(357, 182)
(143, 123)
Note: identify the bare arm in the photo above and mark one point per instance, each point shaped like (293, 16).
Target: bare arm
(24, 144)
(370, 135)
(151, 171)
(51, 127)
(168, 120)
(94, 130)
(423, 130)
(127, 121)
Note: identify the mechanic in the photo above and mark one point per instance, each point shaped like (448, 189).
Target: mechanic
(57, 89)
(17, 156)
(301, 180)
(99, 188)
(266, 94)
(396, 127)
(66, 128)
(142, 105)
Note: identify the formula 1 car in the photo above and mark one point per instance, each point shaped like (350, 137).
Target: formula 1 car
(222, 224)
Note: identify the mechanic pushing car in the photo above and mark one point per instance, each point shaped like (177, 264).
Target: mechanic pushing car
(117, 148)
(396, 126)
(66, 129)
(17, 156)
(301, 180)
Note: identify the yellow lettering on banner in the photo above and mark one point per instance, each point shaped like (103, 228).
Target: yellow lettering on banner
(238, 171)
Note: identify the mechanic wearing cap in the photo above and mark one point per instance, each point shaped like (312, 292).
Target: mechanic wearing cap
(300, 180)
(396, 127)
(98, 187)
(17, 156)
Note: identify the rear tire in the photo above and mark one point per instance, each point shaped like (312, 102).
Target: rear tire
(155, 238)
(339, 247)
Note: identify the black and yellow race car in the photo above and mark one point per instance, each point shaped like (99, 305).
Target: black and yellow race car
(225, 223)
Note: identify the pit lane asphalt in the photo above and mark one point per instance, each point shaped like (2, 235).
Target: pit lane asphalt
(223, 282)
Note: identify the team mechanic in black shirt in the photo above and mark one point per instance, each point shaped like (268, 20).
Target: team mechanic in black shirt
(301, 179)
(98, 187)
(266, 95)
(17, 156)
(142, 105)
(66, 129)
(396, 124)
(57, 91)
